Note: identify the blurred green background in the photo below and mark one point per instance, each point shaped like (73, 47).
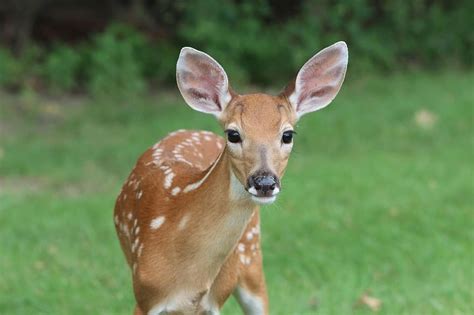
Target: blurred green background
(376, 214)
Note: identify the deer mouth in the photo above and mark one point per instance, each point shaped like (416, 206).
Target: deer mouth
(261, 197)
(263, 186)
(263, 200)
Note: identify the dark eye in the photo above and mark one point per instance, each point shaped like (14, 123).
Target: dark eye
(287, 136)
(233, 136)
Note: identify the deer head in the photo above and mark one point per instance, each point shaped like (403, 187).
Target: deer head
(259, 127)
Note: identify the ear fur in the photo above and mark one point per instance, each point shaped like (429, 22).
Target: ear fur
(319, 80)
(202, 81)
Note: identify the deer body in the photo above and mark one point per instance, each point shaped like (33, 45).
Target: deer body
(164, 189)
(188, 215)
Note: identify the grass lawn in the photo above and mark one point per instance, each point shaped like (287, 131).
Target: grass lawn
(378, 199)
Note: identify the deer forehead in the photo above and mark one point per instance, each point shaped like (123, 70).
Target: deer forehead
(259, 116)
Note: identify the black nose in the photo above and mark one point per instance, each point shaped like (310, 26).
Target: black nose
(263, 183)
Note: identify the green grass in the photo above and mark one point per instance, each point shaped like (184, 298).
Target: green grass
(372, 200)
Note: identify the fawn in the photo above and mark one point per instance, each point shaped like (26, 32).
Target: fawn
(188, 215)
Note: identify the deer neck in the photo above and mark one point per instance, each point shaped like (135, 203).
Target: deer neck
(225, 210)
(225, 192)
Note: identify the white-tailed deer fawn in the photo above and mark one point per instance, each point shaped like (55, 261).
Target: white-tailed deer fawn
(188, 215)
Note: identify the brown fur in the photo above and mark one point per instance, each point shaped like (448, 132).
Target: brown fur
(189, 229)
(172, 259)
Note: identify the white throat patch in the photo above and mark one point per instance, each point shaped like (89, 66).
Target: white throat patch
(237, 190)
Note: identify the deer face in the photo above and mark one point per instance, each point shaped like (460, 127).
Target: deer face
(259, 128)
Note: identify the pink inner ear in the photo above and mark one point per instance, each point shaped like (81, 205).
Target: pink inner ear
(203, 82)
(319, 80)
(316, 82)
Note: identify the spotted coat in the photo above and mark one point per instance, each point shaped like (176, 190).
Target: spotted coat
(151, 223)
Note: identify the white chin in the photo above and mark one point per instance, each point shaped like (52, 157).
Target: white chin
(263, 200)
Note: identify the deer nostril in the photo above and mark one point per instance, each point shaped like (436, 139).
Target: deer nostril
(265, 183)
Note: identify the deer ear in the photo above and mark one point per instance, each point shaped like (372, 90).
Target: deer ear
(319, 80)
(202, 81)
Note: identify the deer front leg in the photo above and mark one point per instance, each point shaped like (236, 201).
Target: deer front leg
(251, 291)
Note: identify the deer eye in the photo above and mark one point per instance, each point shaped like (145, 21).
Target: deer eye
(233, 136)
(287, 136)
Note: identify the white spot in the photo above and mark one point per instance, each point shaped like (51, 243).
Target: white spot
(135, 223)
(134, 267)
(171, 134)
(157, 152)
(175, 191)
(207, 138)
(139, 194)
(195, 136)
(124, 196)
(184, 221)
(249, 236)
(241, 247)
(129, 215)
(116, 220)
(126, 232)
(247, 260)
(123, 228)
(157, 222)
(181, 159)
(253, 247)
(168, 180)
(137, 229)
(219, 145)
(135, 244)
(140, 249)
(242, 259)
